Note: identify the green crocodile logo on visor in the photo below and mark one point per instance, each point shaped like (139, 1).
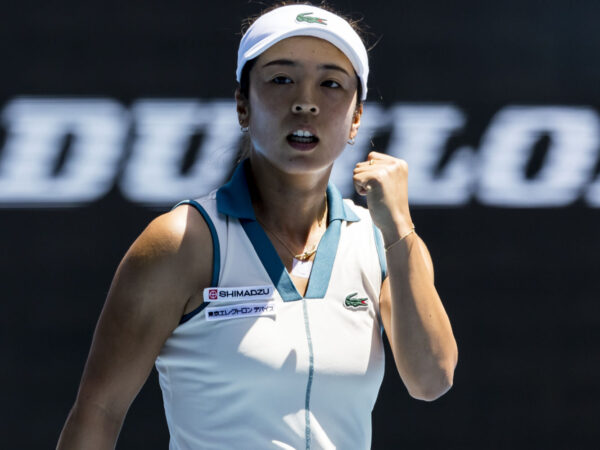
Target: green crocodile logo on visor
(304, 18)
(352, 302)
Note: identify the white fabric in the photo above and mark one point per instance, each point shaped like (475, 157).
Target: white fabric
(287, 21)
(242, 383)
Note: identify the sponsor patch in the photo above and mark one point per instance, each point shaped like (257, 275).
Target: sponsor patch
(226, 312)
(243, 293)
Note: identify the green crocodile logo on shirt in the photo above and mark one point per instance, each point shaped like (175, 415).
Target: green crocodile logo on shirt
(352, 302)
(304, 17)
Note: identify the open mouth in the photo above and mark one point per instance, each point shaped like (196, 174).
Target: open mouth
(302, 137)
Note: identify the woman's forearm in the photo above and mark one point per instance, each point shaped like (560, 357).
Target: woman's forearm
(419, 331)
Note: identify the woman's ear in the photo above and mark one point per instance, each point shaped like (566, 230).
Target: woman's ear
(242, 107)
(356, 121)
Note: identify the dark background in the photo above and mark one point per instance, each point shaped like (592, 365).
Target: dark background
(520, 285)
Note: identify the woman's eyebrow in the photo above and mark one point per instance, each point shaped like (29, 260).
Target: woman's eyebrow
(333, 67)
(280, 62)
(289, 62)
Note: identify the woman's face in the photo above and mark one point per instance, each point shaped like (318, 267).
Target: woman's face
(302, 104)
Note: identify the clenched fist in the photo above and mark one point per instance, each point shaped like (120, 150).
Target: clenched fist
(384, 180)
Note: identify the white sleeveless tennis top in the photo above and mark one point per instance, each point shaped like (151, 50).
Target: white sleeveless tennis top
(258, 366)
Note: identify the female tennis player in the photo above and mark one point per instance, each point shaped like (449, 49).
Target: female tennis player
(263, 304)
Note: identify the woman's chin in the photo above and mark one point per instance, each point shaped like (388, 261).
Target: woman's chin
(299, 164)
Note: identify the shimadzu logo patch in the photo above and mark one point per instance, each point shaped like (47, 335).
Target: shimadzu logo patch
(243, 293)
(356, 303)
(261, 309)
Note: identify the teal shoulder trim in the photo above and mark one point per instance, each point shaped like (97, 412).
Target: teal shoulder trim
(380, 252)
(193, 313)
(216, 254)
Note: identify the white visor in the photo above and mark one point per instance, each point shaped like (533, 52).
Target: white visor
(304, 20)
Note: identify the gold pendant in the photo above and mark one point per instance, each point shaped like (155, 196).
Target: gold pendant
(304, 256)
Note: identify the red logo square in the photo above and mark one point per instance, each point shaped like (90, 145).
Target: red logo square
(212, 294)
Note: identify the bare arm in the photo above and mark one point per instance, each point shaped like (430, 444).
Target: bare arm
(413, 316)
(416, 323)
(157, 281)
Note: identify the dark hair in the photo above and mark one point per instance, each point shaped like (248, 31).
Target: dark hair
(245, 78)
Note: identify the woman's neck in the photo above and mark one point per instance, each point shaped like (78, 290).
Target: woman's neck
(294, 206)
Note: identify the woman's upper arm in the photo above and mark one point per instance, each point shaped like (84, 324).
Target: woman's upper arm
(169, 263)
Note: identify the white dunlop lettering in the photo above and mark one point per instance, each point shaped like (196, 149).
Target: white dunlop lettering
(163, 130)
(36, 127)
(507, 146)
(593, 194)
(419, 136)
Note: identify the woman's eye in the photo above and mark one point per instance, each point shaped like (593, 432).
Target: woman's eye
(331, 84)
(281, 80)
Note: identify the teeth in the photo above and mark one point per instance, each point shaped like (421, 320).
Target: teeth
(302, 133)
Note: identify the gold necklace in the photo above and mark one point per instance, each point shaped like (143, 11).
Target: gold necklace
(304, 256)
(301, 256)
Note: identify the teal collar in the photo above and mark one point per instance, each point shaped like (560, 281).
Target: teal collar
(233, 198)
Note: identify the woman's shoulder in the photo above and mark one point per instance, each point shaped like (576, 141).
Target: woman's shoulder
(175, 244)
(183, 226)
(171, 230)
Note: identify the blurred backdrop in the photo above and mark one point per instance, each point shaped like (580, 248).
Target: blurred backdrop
(112, 111)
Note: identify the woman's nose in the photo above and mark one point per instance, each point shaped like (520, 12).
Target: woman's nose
(299, 107)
